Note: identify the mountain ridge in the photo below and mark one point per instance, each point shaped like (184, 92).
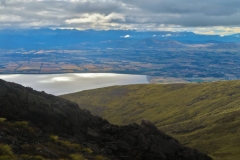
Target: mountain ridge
(75, 39)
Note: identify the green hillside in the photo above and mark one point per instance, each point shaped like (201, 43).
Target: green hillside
(39, 126)
(205, 116)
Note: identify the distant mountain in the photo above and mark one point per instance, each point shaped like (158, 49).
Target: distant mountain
(76, 39)
(155, 43)
(204, 116)
(36, 125)
(224, 46)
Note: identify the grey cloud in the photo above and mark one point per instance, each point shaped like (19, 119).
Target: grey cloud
(132, 14)
(205, 7)
(101, 6)
(193, 20)
(3, 2)
(96, 7)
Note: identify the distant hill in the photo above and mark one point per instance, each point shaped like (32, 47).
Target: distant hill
(37, 126)
(224, 46)
(205, 116)
(30, 39)
(154, 43)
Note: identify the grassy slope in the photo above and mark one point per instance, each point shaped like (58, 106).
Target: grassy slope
(205, 116)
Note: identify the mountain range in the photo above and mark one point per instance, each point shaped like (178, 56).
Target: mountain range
(91, 39)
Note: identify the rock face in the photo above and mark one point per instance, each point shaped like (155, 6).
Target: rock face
(53, 115)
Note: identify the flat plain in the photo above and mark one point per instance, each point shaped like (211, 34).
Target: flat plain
(183, 65)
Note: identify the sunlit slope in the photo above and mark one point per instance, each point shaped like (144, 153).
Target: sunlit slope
(205, 116)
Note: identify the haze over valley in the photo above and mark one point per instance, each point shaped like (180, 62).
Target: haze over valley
(58, 84)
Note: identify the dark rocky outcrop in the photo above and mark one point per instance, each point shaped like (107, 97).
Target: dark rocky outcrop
(54, 115)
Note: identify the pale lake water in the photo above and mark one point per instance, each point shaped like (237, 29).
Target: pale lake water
(59, 84)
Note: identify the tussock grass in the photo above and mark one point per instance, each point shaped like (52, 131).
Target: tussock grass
(205, 116)
(53, 137)
(2, 120)
(30, 157)
(5, 157)
(36, 151)
(69, 145)
(77, 157)
(87, 150)
(100, 157)
(17, 124)
(6, 150)
(20, 124)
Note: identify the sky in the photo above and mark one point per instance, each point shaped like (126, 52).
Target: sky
(200, 16)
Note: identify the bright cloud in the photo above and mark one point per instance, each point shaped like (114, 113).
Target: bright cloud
(126, 36)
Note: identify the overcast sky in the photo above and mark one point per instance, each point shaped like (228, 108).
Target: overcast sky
(201, 16)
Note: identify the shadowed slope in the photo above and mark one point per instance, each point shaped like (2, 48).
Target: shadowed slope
(205, 116)
(58, 124)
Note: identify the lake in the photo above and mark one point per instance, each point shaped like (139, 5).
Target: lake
(58, 84)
